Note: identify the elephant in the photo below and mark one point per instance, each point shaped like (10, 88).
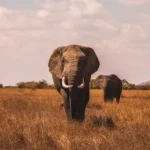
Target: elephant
(112, 87)
(71, 67)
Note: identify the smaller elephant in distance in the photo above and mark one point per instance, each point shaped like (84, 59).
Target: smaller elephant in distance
(112, 87)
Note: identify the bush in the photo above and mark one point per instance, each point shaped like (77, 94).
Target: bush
(143, 87)
(42, 84)
(34, 85)
(94, 84)
(51, 86)
(1, 85)
(21, 85)
(9, 86)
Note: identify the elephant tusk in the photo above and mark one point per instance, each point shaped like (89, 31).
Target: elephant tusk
(81, 86)
(64, 84)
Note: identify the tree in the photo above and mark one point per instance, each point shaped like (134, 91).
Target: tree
(1, 85)
(128, 86)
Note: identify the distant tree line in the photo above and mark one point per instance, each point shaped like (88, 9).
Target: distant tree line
(31, 85)
(94, 84)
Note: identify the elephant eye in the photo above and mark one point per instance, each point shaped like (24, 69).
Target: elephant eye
(63, 61)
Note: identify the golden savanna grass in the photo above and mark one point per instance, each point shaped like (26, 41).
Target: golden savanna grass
(33, 120)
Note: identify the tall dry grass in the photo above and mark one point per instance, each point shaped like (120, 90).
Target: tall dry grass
(33, 120)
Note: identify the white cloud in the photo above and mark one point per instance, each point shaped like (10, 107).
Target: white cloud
(42, 13)
(131, 39)
(80, 8)
(134, 2)
(3, 11)
(145, 19)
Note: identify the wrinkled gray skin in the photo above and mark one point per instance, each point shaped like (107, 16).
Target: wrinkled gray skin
(112, 87)
(75, 63)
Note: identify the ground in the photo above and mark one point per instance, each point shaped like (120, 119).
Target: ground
(34, 120)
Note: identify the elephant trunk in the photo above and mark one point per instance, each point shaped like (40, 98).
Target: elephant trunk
(74, 76)
(75, 82)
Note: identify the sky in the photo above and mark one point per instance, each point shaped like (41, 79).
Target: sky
(118, 31)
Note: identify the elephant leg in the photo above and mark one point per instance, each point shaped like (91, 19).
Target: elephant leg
(87, 96)
(78, 104)
(108, 95)
(66, 103)
(84, 96)
(87, 91)
(118, 96)
(118, 99)
(108, 98)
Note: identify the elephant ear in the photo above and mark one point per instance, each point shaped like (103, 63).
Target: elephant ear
(55, 66)
(92, 62)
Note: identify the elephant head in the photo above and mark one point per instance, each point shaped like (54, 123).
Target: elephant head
(69, 61)
(73, 66)
(103, 80)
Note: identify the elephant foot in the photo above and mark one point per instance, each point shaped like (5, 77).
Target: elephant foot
(118, 100)
(78, 117)
(108, 101)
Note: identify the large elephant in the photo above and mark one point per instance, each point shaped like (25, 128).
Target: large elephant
(112, 87)
(71, 67)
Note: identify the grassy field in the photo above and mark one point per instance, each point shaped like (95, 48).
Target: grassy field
(33, 120)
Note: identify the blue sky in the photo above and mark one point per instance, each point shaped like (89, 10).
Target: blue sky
(19, 4)
(118, 30)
